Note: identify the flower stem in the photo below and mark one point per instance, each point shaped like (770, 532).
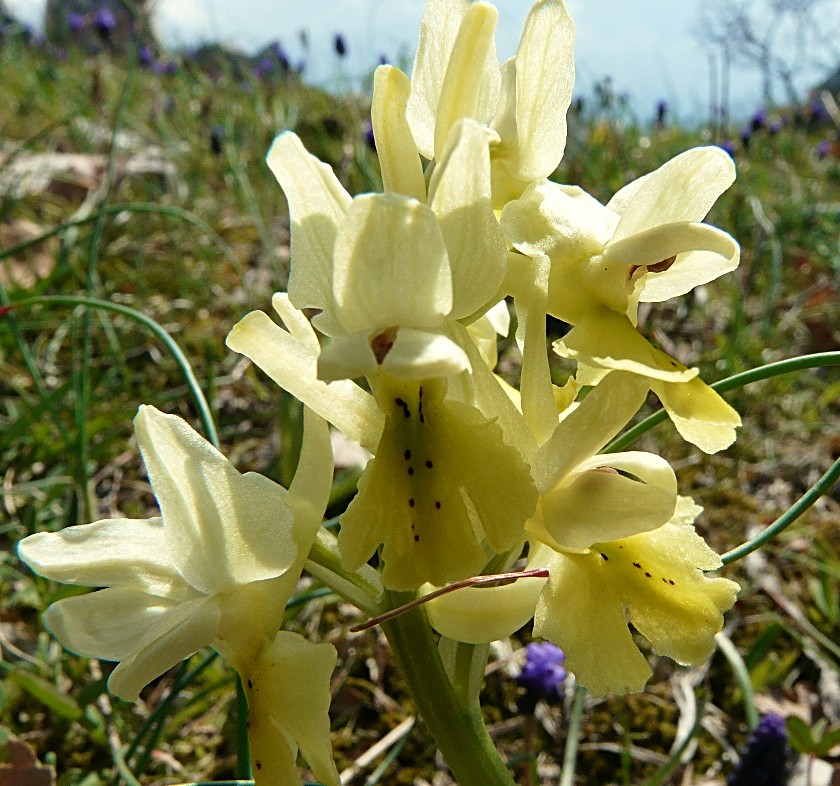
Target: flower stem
(458, 730)
(573, 737)
(822, 486)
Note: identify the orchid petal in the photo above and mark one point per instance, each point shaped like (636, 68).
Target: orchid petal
(113, 551)
(563, 222)
(597, 504)
(699, 413)
(481, 389)
(113, 623)
(690, 270)
(683, 189)
(701, 253)
(537, 395)
(221, 528)
(347, 357)
(468, 91)
(590, 426)
(481, 614)
(309, 492)
(184, 630)
(433, 490)
(580, 610)
(293, 364)
(419, 354)
(438, 31)
(545, 76)
(391, 265)
(399, 162)
(317, 204)
(486, 339)
(669, 600)
(611, 341)
(289, 675)
(459, 195)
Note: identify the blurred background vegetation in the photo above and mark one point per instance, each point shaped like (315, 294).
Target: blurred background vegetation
(140, 180)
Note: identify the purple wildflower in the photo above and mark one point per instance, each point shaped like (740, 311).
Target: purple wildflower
(340, 45)
(661, 112)
(746, 136)
(542, 675)
(775, 126)
(146, 56)
(823, 149)
(817, 112)
(758, 120)
(105, 21)
(766, 758)
(280, 54)
(729, 146)
(367, 130)
(76, 22)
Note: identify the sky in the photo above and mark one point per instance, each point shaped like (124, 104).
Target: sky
(650, 48)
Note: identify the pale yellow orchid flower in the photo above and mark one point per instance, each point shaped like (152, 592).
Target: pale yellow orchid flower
(657, 580)
(215, 569)
(523, 103)
(438, 492)
(646, 244)
(618, 543)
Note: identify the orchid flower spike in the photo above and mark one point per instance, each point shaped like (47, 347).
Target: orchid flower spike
(216, 568)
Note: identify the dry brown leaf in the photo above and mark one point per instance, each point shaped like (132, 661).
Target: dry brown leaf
(24, 768)
(37, 262)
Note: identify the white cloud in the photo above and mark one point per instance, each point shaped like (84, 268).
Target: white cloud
(29, 11)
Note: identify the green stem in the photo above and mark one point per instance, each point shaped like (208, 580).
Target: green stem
(459, 731)
(573, 738)
(243, 745)
(742, 676)
(768, 371)
(362, 588)
(822, 486)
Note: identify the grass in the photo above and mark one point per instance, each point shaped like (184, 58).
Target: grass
(197, 245)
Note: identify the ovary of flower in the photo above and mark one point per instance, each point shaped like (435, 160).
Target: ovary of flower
(646, 244)
(523, 102)
(216, 568)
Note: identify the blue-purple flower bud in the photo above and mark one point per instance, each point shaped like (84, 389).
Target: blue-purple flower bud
(766, 758)
(542, 675)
